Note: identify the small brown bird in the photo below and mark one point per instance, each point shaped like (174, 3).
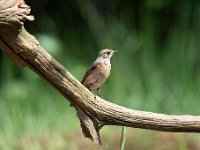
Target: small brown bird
(99, 71)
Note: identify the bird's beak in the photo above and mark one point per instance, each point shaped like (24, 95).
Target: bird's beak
(116, 51)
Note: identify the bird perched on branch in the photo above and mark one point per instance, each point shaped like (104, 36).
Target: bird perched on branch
(99, 71)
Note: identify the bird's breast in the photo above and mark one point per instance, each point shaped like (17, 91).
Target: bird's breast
(105, 69)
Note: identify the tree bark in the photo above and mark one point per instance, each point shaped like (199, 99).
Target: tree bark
(94, 112)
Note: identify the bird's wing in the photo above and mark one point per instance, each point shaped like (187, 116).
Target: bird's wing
(91, 74)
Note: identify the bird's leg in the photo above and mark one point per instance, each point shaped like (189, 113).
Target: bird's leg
(94, 95)
(92, 91)
(99, 93)
(89, 88)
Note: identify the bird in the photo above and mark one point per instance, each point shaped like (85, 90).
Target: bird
(99, 71)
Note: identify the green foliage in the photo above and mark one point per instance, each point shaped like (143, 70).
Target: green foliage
(156, 68)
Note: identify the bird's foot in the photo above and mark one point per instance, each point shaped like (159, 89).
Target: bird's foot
(101, 96)
(95, 96)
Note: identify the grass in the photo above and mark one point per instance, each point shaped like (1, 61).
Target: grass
(60, 139)
(123, 138)
(33, 116)
(145, 76)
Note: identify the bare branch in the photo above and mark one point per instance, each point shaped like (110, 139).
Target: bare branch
(24, 50)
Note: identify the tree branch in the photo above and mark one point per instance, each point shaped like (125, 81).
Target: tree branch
(24, 50)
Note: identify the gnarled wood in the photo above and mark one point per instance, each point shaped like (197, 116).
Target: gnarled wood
(24, 50)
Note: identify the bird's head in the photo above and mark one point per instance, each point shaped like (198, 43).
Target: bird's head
(106, 53)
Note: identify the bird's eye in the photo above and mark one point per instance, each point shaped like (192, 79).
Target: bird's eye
(108, 53)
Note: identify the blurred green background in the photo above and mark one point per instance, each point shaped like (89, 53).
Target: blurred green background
(156, 69)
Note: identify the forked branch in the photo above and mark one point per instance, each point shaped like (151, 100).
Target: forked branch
(24, 50)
